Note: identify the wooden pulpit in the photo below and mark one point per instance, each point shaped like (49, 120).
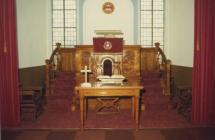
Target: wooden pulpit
(107, 56)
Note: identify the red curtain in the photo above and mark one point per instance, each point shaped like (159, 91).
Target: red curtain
(203, 103)
(10, 115)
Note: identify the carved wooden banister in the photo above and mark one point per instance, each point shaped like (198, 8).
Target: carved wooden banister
(165, 68)
(157, 45)
(51, 67)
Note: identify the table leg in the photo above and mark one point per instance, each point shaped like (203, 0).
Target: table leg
(82, 111)
(85, 108)
(137, 112)
(133, 107)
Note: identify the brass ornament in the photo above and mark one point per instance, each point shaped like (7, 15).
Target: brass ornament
(107, 45)
(108, 7)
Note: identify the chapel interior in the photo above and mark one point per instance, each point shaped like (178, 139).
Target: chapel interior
(66, 46)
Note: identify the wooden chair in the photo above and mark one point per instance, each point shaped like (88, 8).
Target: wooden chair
(184, 101)
(31, 102)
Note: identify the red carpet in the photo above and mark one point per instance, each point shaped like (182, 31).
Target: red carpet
(57, 112)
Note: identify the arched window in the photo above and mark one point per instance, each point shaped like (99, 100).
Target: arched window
(152, 22)
(64, 28)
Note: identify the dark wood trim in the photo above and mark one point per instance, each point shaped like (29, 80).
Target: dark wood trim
(182, 75)
(32, 76)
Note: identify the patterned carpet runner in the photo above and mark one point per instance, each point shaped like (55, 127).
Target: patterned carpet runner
(58, 114)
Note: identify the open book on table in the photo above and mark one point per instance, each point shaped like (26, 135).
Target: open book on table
(114, 79)
(111, 77)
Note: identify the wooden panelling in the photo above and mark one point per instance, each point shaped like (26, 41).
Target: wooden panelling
(82, 58)
(32, 76)
(181, 89)
(67, 62)
(149, 60)
(131, 61)
(182, 75)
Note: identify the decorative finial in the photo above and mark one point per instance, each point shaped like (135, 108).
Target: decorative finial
(157, 44)
(58, 44)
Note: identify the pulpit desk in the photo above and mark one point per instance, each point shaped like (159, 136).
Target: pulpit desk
(132, 90)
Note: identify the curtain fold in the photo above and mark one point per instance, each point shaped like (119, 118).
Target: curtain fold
(10, 112)
(203, 102)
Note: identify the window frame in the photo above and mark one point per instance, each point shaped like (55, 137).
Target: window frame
(64, 27)
(152, 11)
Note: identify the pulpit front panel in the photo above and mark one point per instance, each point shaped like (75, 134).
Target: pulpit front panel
(131, 62)
(149, 59)
(67, 59)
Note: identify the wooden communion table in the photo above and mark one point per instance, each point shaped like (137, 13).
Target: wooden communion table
(132, 90)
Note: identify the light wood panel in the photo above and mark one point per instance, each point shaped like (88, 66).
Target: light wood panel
(67, 59)
(149, 59)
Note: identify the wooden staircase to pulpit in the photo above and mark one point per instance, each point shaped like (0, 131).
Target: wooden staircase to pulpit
(138, 63)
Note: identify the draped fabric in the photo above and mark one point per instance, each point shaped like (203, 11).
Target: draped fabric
(107, 45)
(9, 106)
(203, 102)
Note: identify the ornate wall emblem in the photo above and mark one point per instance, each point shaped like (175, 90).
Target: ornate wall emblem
(107, 45)
(108, 7)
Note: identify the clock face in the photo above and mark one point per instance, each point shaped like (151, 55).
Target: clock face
(108, 7)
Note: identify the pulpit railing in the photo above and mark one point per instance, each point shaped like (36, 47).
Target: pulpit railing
(165, 69)
(153, 62)
(52, 65)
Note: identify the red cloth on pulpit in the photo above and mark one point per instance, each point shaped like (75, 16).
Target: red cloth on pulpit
(107, 45)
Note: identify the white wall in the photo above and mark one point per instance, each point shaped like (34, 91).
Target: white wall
(32, 32)
(34, 23)
(180, 31)
(95, 19)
